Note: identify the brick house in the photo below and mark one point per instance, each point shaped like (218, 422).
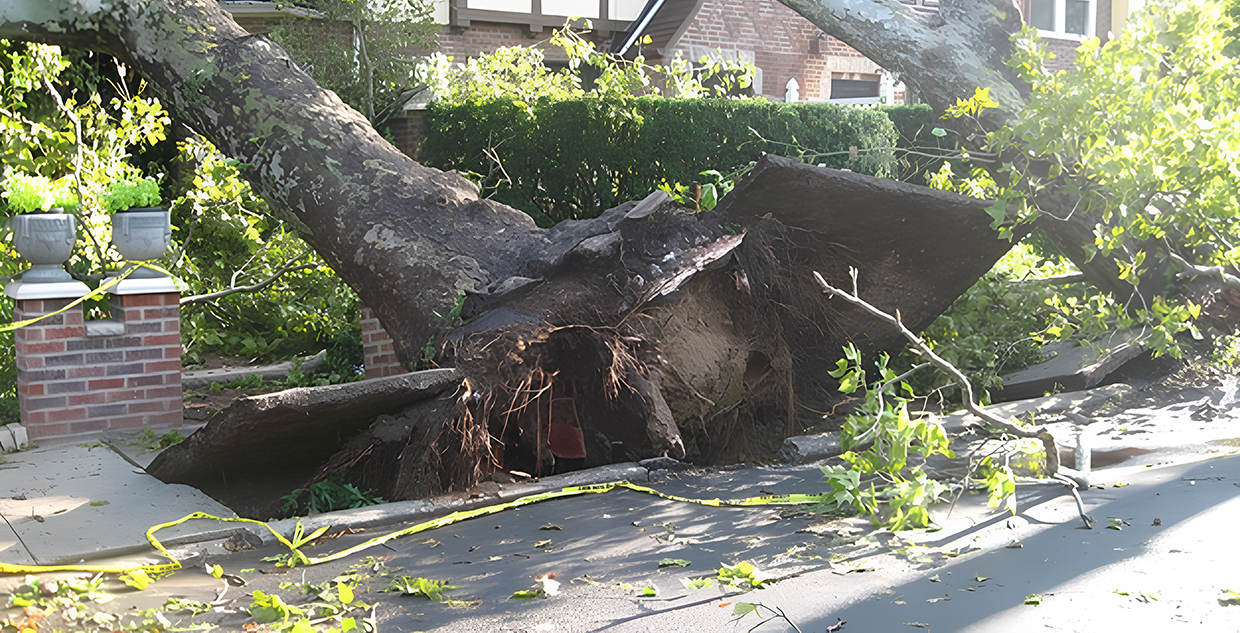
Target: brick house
(796, 61)
(1064, 24)
(783, 45)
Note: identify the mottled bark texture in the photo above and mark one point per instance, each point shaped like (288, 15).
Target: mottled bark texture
(649, 330)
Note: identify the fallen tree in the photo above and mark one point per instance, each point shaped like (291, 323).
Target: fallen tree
(649, 330)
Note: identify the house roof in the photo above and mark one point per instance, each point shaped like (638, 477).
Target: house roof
(665, 21)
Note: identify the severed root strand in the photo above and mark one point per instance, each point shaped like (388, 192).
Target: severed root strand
(1039, 432)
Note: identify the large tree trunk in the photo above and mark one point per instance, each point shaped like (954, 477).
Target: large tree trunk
(651, 330)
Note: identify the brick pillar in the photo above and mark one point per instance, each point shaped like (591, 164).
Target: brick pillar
(80, 379)
(379, 357)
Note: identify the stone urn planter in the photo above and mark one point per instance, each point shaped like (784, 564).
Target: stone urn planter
(45, 240)
(141, 233)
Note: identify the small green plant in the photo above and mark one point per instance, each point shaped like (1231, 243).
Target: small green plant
(152, 442)
(416, 586)
(450, 320)
(128, 194)
(37, 193)
(253, 381)
(327, 496)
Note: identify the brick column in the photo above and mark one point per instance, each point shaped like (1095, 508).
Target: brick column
(79, 379)
(379, 357)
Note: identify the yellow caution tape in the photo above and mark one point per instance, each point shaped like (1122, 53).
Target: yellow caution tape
(455, 517)
(104, 287)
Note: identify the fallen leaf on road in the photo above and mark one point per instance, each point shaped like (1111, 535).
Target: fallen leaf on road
(697, 583)
(1229, 598)
(1033, 599)
(920, 625)
(673, 562)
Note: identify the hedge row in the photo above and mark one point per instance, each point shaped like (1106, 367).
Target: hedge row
(574, 159)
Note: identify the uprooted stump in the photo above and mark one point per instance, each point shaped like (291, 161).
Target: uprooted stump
(262, 447)
(653, 330)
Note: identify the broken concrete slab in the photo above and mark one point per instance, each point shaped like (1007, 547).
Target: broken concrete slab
(269, 444)
(1073, 365)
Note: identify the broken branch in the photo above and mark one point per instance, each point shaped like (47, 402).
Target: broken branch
(966, 389)
(1228, 279)
(288, 268)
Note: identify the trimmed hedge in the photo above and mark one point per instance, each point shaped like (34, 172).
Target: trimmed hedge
(573, 159)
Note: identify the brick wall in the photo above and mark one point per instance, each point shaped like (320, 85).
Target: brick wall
(378, 355)
(77, 379)
(784, 45)
(407, 131)
(1064, 51)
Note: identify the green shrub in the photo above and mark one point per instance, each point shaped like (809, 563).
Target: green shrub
(574, 158)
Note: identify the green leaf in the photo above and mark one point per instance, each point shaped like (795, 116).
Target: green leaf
(709, 197)
(697, 583)
(743, 608)
(939, 132)
(997, 212)
(1033, 599)
(673, 562)
(526, 594)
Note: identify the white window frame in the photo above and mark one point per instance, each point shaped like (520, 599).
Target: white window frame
(1061, 20)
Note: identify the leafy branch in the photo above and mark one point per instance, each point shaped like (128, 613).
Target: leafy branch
(966, 390)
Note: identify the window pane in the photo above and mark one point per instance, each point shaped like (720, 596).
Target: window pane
(1042, 14)
(1076, 17)
(853, 88)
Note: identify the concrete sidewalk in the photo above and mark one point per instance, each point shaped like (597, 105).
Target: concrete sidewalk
(72, 503)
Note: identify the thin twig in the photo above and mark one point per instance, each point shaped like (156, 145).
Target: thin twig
(288, 268)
